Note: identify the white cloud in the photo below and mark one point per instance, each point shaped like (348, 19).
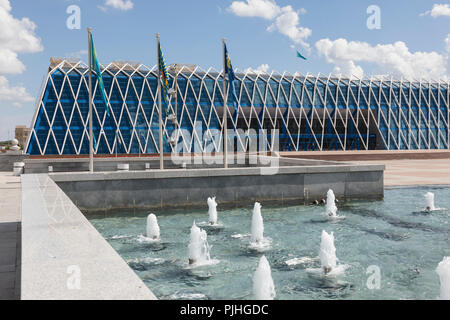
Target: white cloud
(287, 23)
(120, 4)
(9, 62)
(13, 94)
(264, 68)
(394, 59)
(266, 9)
(16, 36)
(438, 10)
(285, 19)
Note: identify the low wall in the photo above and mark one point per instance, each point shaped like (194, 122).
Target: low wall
(233, 187)
(7, 160)
(102, 164)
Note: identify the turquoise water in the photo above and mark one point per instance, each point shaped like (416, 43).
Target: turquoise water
(393, 234)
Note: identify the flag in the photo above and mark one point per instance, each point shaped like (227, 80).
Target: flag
(95, 142)
(97, 70)
(300, 56)
(164, 78)
(118, 138)
(229, 71)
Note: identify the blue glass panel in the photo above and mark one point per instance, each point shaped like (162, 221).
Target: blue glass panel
(218, 99)
(33, 148)
(51, 100)
(138, 82)
(59, 128)
(67, 100)
(132, 102)
(51, 147)
(74, 78)
(107, 83)
(83, 101)
(125, 129)
(102, 147)
(195, 86)
(76, 128)
(261, 91)
(122, 79)
(68, 147)
(134, 149)
(85, 145)
(42, 128)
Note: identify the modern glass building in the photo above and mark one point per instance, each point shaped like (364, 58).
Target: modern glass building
(310, 112)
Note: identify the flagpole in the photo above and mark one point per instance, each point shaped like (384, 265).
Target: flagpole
(225, 113)
(91, 135)
(161, 151)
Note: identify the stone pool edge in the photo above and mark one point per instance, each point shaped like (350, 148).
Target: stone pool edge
(63, 256)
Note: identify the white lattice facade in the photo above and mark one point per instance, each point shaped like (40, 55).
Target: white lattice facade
(310, 112)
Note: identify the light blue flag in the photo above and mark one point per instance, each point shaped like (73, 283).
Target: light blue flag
(97, 70)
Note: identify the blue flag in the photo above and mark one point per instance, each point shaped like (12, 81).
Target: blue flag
(98, 72)
(229, 71)
(164, 78)
(300, 56)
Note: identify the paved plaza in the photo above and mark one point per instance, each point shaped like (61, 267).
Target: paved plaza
(10, 235)
(414, 172)
(409, 172)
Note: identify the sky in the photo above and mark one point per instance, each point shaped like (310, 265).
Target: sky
(406, 39)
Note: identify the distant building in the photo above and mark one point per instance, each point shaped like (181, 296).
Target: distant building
(311, 112)
(21, 134)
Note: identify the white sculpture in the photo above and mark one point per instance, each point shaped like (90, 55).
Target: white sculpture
(15, 145)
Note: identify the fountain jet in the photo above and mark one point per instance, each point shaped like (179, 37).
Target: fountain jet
(327, 253)
(443, 270)
(198, 246)
(263, 287)
(257, 224)
(429, 197)
(212, 211)
(152, 227)
(330, 205)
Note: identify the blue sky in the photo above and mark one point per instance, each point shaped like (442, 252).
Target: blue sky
(260, 34)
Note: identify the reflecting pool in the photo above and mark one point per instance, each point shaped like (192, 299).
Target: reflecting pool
(396, 237)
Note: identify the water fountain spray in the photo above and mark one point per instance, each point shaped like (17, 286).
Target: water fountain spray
(212, 211)
(327, 253)
(429, 197)
(198, 246)
(257, 224)
(443, 270)
(263, 287)
(330, 205)
(153, 231)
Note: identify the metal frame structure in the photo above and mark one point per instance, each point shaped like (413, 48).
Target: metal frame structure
(311, 112)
